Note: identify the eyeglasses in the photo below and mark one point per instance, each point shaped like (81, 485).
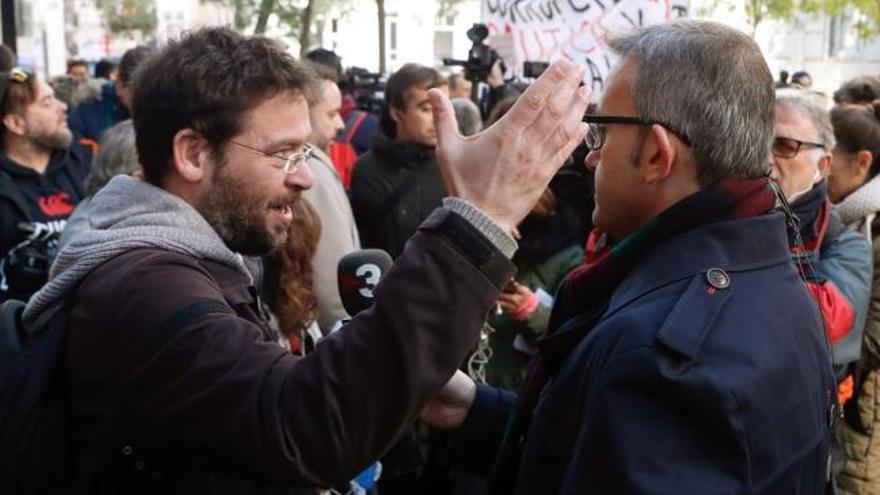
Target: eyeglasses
(596, 135)
(784, 147)
(290, 162)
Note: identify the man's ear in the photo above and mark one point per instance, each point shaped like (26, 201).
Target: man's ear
(191, 155)
(14, 123)
(395, 114)
(824, 165)
(657, 156)
(864, 160)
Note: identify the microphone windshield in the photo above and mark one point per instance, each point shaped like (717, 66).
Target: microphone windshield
(358, 274)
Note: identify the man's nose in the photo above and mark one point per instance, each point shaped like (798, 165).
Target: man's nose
(301, 179)
(774, 169)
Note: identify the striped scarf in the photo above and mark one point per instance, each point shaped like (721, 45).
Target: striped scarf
(588, 289)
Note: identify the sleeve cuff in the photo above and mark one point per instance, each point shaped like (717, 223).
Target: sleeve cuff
(503, 241)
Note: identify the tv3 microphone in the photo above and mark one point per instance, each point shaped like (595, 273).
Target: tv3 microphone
(358, 273)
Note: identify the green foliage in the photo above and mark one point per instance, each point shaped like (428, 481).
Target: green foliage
(867, 12)
(125, 16)
(447, 8)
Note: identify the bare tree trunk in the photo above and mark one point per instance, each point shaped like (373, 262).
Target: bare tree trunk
(381, 17)
(266, 7)
(305, 29)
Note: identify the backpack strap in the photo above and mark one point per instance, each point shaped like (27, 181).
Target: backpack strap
(354, 127)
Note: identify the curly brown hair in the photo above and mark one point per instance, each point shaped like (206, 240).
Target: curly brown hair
(289, 271)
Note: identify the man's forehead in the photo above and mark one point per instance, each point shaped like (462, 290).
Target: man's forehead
(794, 120)
(279, 120)
(418, 93)
(619, 79)
(44, 90)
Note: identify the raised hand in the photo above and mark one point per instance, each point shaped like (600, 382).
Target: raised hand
(504, 169)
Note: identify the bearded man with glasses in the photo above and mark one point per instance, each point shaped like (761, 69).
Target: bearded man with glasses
(176, 383)
(835, 261)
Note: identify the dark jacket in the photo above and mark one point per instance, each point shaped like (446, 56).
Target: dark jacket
(394, 187)
(177, 387)
(33, 212)
(680, 387)
(90, 119)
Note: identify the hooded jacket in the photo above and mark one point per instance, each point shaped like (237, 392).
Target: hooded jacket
(394, 187)
(33, 211)
(176, 385)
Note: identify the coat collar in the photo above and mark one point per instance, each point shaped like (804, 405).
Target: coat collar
(732, 246)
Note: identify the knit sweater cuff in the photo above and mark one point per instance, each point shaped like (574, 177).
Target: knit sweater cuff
(476, 217)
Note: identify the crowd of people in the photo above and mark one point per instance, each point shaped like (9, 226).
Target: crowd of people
(669, 289)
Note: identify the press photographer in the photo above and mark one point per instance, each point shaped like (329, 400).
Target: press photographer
(484, 67)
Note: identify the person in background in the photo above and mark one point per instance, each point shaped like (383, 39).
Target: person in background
(105, 69)
(41, 181)
(801, 79)
(397, 183)
(327, 196)
(783, 80)
(862, 89)
(854, 187)
(117, 156)
(467, 114)
(459, 87)
(78, 69)
(8, 60)
(359, 127)
(524, 305)
(834, 261)
(288, 280)
(90, 118)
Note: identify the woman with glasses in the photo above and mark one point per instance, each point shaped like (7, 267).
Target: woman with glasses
(854, 185)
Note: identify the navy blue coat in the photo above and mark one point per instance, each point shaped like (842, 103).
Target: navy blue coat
(683, 388)
(91, 118)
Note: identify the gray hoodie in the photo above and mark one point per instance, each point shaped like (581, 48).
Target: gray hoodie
(128, 214)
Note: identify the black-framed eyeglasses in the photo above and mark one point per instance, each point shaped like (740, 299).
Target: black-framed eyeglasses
(596, 135)
(290, 162)
(785, 147)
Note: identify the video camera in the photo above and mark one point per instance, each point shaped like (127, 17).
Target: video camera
(481, 56)
(367, 88)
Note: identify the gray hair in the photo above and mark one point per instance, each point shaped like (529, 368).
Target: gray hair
(811, 106)
(116, 156)
(467, 114)
(455, 80)
(710, 83)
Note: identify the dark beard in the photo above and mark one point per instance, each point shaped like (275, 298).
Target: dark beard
(238, 216)
(58, 141)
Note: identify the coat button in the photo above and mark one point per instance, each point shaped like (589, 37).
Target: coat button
(718, 278)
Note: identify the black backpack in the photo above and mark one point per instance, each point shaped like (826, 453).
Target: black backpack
(35, 444)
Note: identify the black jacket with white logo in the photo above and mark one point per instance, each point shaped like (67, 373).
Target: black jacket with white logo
(33, 210)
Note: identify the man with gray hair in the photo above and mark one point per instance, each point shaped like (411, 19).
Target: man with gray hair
(116, 156)
(685, 356)
(835, 261)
